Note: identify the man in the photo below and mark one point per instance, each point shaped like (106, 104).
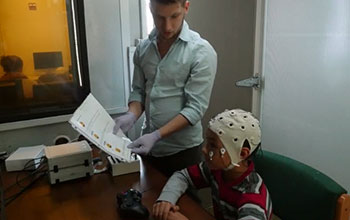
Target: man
(173, 77)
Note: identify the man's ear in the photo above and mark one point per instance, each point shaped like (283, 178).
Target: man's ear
(245, 152)
(187, 6)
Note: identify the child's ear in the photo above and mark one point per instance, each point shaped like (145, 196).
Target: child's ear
(245, 152)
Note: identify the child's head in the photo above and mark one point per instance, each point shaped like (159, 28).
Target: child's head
(236, 132)
(11, 64)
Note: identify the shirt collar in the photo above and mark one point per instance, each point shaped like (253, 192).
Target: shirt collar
(184, 34)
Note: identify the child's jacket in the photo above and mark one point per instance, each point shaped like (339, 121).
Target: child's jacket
(245, 198)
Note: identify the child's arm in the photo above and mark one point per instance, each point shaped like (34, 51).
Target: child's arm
(175, 187)
(196, 176)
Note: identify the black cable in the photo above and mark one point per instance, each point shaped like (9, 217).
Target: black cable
(40, 171)
(13, 197)
(24, 188)
(15, 184)
(27, 166)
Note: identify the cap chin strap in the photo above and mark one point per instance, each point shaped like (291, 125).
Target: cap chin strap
(231, 166)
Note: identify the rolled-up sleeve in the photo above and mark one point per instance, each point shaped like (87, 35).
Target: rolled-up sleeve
(200, 83)
(138, 82)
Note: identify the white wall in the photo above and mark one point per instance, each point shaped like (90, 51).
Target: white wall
(305, 111)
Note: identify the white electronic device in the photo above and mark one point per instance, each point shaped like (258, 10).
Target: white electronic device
(119, 168)
(25, 157)
(69, 161)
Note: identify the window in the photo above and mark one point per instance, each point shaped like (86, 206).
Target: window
(43, 58)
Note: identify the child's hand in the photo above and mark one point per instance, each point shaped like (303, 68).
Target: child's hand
(162, 209)
(176, 216)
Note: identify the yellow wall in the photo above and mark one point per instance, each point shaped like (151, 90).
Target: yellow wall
(24, 31)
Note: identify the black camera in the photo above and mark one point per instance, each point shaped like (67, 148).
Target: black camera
(130, 205)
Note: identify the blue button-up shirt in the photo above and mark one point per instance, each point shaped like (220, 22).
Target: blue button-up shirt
(179, 83)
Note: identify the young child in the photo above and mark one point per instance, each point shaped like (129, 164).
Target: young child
(238, 192)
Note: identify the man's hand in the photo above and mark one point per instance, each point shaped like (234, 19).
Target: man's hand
(124, 122)
(144, 144)
(162, 209)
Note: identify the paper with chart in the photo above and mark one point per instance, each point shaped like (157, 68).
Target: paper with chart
(94, 123)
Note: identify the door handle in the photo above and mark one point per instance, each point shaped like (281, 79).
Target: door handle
(252, 82)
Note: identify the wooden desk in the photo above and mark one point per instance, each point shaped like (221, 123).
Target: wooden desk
(91, 198)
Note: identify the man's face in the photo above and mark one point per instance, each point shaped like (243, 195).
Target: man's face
(168, 19)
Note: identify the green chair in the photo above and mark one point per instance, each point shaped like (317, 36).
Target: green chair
(300, 192)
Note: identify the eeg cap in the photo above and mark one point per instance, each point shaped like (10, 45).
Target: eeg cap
(233, 127)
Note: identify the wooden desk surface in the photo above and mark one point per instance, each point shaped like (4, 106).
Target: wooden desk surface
(91, 198)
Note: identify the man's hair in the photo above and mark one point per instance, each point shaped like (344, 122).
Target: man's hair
(11, 64)
(168, 2)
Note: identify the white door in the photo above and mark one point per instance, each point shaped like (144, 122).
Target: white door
(229, 26)
(305, 102)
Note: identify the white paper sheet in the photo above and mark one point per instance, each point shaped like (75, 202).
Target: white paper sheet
(93, 122)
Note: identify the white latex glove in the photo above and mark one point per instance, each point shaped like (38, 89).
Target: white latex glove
(124, 122)
(144, 144)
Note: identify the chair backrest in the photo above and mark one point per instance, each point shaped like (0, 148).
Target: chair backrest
(298, 191)
(11, 92)
(53, 91)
